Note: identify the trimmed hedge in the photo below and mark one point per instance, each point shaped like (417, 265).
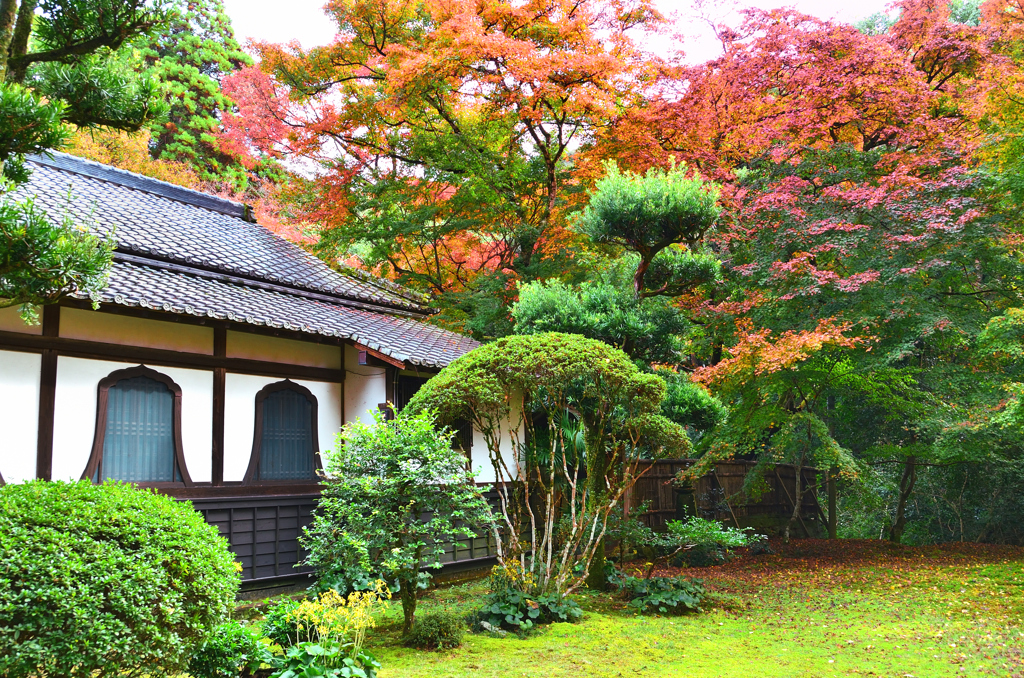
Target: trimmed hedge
(102, 580)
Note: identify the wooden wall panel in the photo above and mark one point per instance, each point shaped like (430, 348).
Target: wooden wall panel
(262, 532)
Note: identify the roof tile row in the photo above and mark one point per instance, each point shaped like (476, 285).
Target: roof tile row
(224, 262)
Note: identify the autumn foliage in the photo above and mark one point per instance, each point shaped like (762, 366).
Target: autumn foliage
(862, 231)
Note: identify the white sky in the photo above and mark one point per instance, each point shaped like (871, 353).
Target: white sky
(304, 20)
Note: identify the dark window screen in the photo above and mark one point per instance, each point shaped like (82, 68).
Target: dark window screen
(286, 443)
(138, 443)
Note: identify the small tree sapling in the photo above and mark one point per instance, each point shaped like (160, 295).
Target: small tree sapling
(395, 493)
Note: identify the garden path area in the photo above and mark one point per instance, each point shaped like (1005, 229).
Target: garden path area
(816, 608)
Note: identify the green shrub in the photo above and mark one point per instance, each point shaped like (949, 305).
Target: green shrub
(103, 580)
(344, 578)
(437, 631)
(278, 625)
(703, 555)
(232, 650)
(668, 595)
(515, 611)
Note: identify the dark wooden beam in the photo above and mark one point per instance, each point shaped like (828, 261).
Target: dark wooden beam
(237, 491)
(220, 342)
(47, 394)
(96, 350)
(390, 384)
(368, 356)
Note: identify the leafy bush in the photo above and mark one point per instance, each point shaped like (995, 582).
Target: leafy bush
(668, 595)
(437, 631)
(508, 607)
(330, 616)
(704, 555)
(396, 493)
(704, 532)
(759, 546)
(232, 650)
(331, 630)
(103, 580)
(343, 579)
(326, 659)
(698, 542)
(515, 611)
(278, 623)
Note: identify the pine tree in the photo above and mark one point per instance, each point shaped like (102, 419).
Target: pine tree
(189, 57)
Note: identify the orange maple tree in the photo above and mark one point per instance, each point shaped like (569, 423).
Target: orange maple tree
(445, 129)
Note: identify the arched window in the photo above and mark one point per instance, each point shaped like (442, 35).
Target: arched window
(285, 446)
(138, 430)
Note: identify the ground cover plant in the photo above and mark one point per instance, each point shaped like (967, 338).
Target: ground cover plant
(814, 608)
(667, 595)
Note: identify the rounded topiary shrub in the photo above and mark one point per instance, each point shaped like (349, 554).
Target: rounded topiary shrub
(104, 580)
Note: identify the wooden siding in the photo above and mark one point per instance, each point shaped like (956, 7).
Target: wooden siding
(263, 532)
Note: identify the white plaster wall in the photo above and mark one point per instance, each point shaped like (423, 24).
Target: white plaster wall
(118, 329)
(19, 414)
(480, 461)
(10, 321)
(365, 388)
(75, 415)
(196, 420)
(240, 417)
(278, 350)
(328, 399)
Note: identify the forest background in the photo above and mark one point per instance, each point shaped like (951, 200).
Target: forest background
(852, 303)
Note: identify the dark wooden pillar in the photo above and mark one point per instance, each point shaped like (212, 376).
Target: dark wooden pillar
(220, 336)
(390, 390)
(47, 396)
(344, 375)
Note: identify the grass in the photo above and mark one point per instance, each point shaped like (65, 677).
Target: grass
(816, 608)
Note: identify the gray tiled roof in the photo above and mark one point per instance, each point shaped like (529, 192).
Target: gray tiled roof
(411, 341)
(157, 219)
(190, 253)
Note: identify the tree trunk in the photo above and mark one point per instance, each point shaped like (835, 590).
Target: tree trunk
(19, 42)
(641, 273)
(8, 16)
(833, 471)
(716, 353)
(906, 489)
(597, 468)
(408, 594)
(833, 511)
(797, 499)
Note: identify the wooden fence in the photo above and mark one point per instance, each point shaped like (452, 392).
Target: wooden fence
(719, 495)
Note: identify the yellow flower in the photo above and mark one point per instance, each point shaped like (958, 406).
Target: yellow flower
(341, 619)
